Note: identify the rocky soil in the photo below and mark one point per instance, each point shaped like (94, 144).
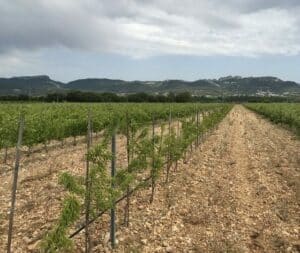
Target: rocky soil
(238, 192)
(39, 196)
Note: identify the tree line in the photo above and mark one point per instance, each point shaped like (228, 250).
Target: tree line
(183, 97)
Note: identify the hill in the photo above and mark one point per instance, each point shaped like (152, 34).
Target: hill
(28, 85)
(225, 86)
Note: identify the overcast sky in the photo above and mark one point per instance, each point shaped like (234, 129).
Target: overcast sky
(150, 39)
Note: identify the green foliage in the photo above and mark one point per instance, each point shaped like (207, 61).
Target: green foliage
(46, 122)
(71, 183)
(288, 114)
(172, 147)
(101, 198)
(99, 155)
(147, 154)
(157, 154)
(123, 179)
(57, 240)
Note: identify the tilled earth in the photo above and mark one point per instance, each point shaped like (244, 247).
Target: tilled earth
(39, 196)
(238, 192)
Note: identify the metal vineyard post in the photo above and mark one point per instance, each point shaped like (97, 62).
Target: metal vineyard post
(15, 182)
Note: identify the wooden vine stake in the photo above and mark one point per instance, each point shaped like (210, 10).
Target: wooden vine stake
(178, 124)
(203, 136)
(126, 215)
(91, 128)
(153, 161)
(15, 182)
(113, 172)
(197, 120)
(5, 155)
(74, 141)
(88, 188)
(169, 162)
(178, 134)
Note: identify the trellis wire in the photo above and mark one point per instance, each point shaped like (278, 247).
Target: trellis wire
(104, 211)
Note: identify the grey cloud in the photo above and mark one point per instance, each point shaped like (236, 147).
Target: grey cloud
(34, 24)
(256, 5)
(141, 28)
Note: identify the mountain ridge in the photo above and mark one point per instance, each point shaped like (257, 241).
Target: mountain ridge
(223, 86)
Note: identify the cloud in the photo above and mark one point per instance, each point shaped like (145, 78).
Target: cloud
(142, 28)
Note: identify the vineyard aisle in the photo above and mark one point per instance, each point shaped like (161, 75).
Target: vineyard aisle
(240, 192)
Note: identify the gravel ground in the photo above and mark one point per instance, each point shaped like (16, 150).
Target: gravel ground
(238, 192)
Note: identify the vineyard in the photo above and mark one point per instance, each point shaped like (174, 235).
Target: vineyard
(149, 178)
(46, 122)
(123, 147)
(287, 114)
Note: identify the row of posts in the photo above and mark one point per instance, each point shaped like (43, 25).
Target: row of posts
(87, 181)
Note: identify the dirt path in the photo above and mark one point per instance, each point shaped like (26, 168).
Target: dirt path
(238, 193)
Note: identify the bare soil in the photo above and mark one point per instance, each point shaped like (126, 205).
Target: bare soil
(238, 192)
(39, 196)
